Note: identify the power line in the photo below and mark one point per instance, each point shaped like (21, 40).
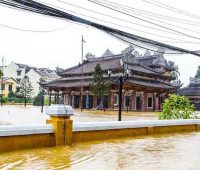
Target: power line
(150, 33)
(180, 20)
(65, 15)
(170, 8)
(127, 21)
(130, 10)
(30, 30)
(98, 3)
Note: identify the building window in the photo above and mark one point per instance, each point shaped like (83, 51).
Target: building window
(116, 99)
(19, 72)
(2, 86)
(10, 87)
(149, 102)
(17, 89)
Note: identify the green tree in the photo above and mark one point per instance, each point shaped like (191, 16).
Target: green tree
(1, 73)
(175, 72)
(38, 99)
(198, 73)
(26, 89)
(176, 107)
(99, 85)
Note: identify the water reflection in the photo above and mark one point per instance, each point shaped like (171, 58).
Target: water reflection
(177, 151)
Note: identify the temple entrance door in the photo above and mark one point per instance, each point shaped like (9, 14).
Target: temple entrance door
(90, 102)
(105, 102)
(84, 101)
(138, 103)
(76, 101)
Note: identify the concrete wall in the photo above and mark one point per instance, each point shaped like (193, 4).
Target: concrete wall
(59, 132)
(17, 137)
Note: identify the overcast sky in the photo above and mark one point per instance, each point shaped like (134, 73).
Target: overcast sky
(54, 42)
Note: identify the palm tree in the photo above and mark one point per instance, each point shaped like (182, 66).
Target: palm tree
(175, 72)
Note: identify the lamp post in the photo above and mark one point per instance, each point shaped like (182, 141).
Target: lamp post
(25, 90)
(121, 79)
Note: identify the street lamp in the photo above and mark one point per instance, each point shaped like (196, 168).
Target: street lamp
(120, 79)
(25, 90)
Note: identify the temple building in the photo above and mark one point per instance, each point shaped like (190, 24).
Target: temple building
(149, 82)
(192, 92)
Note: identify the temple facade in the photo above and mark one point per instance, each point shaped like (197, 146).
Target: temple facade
(192, 92)
(149, 82)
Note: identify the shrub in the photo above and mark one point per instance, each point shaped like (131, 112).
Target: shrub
(176, 107)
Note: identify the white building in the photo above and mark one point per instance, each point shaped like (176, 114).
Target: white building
(18, 71)
(40, 74)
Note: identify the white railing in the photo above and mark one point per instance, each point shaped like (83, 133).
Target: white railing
(16, 130)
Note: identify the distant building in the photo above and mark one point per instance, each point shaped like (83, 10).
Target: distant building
(192, 92)
(36, 75)
(18, 71)
(149, 84)
(9, 85)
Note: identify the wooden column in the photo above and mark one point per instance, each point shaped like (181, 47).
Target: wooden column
(49, 98)
(144, 106)
(133, 107)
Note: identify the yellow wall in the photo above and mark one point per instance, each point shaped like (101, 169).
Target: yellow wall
(81, 136)
(8, 82)
(10, 143)
(63, 135)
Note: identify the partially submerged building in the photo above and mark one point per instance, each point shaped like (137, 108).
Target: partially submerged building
(149, 83)
(192, 92)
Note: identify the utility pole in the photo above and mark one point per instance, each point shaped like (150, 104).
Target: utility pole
(82, 41)
(120, 98)
(2, 82)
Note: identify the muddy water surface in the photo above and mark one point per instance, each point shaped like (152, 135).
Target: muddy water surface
(171, 151)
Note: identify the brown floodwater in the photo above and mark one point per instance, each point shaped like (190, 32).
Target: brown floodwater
(32, 115)
(171, 151)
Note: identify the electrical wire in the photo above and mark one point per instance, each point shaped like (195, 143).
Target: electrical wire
(114, 9)
(28, 30)
(146, 16)
(53, 11)
(130, 22)
(165, 17)
(170, 8)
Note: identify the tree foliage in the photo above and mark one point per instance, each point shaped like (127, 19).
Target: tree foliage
(26, 89)
(176, 107)
(175, 72)
(198, 73)
(99, 85)
(38, 99)
(1, 73)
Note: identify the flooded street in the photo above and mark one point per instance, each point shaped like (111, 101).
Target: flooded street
(172, 151)
(33, 115)
(168, 151)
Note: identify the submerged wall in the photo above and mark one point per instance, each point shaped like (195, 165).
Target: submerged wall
(59, 131)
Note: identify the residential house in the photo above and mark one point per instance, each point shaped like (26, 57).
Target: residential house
(9, 85)
(18, 71)
(36, 75)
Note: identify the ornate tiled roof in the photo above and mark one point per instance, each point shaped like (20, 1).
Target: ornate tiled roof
(193, 89)
(76, 82)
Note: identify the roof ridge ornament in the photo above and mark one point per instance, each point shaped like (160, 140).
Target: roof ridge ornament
(194, 80)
